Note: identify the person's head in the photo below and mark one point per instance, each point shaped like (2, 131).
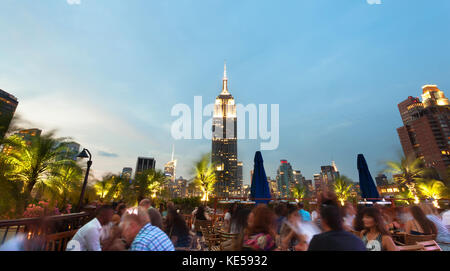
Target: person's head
(293, 214)
(176, 221)
(328, 197)
(281, 210)
(261, 220)
(155, 218)
(232, 208)
(104, 214)
(145, 203)
(373, 220)
(331, 217)
(200, 214)
(426, 224)
(121, 208)
(170, 205)
(300, 205)
(241, 219)
(132, 223)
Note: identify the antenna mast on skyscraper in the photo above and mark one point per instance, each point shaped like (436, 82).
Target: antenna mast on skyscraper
(173, 151)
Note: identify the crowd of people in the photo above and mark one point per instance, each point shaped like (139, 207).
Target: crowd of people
(279, 227)
(283, 227)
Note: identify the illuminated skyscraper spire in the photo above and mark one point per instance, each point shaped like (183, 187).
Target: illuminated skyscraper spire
(225, 80)
(173, 151)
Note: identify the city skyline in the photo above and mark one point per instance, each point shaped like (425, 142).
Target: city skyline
(333, 80)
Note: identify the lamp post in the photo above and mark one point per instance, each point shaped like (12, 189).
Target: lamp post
(85, 153)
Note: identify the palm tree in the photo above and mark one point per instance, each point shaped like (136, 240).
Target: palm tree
(433, 189)
(37, 160)
(149, 183)
(205, 176)
(343, 187)
(299, 192)
(404, 195)
(63, 185)
(102, 187)
(409, 171)
(11, 196)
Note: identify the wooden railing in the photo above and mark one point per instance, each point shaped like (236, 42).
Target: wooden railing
(33, 227)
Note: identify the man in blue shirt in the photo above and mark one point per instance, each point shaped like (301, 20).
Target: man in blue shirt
(137, 231)
(306, 216)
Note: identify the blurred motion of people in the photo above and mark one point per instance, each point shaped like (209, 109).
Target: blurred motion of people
(88, 237)
(140, 235)
(261, 230)
(334, 237)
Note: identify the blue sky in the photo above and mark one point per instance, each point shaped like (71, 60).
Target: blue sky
(108, 72)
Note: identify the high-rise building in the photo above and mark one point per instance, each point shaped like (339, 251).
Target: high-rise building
(193, 190)
(181, 187)
(224, 142)
(381, 180)
(144, 163)
(240, 178)
(71, 151)
(309, 186)
(27, 135)
(170, 168)
(273, 186)
(285, 178)
(317, 183)
(425, 132)
(127, 172)
(298, 177)
(8, 105)
(328, 175)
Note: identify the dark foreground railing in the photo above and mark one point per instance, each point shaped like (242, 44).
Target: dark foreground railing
(33, 227)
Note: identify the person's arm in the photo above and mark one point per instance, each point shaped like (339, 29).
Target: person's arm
(92, 238)
(388, 244)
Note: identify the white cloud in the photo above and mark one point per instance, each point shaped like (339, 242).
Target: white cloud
(91, 125)
(73, 2)
(374, 2)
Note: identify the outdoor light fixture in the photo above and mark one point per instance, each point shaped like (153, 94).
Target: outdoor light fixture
(85, 153)
(383, 202)
(365, 202)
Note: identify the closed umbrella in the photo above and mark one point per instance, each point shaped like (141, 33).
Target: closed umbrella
(366, 183)
(260, 192)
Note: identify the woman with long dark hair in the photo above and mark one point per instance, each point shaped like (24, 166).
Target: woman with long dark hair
(239, 219)
(261, 230)
(201, 214)
(358, 224)
(374, 235)
(177, 229)
(420, 224)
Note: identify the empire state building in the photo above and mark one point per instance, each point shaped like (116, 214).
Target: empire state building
(224, 142)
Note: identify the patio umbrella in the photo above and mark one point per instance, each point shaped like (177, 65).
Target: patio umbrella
(260, 186)
(366, 184)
